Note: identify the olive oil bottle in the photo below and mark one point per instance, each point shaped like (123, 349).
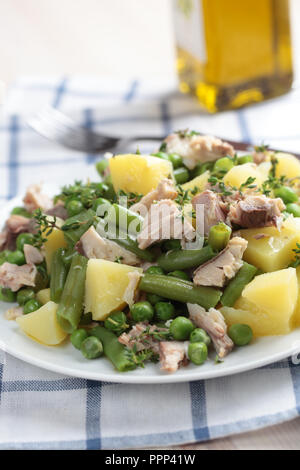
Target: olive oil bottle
(233, 52)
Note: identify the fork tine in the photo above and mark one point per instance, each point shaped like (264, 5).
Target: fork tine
(54, 125)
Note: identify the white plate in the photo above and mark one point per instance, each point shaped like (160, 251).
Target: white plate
(66, 360)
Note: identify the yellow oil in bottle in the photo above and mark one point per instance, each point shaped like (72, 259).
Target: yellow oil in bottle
(233, 52)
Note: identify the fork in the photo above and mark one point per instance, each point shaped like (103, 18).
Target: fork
(56, 126)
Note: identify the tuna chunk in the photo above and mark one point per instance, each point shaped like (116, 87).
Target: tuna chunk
(223, 267)
(171, 354)
(212, 207)
(130, 294)
(35, 199)
(197, 148)
(163, 222)
(59, 211)
(92, 245)
(32, 254)
(14, 277)
(15, 225)
(256, 211)
(214, 324)
(164, 190)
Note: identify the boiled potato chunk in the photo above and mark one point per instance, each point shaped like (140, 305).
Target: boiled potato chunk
(105, 286)
(240, 173)
(273, 251)
(262, 323)
(288, 165)
(275, 293)
(296, 316)
(199, 182)
(43, 296)
(138, 173)
(42, 325)
(54, 241)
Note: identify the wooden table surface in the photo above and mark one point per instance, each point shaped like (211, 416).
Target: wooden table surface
(93, 33)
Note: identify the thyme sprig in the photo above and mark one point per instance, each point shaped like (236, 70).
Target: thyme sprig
(296, 262)
(45, 225)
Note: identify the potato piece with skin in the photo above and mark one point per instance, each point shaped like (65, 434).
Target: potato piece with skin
(275, 293)
(270, 249)
(199, 182)
(43, 296)
(239, 174)
(138, 173)
(105, 286)
(42, 325)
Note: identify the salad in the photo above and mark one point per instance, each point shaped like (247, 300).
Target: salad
(168, 256)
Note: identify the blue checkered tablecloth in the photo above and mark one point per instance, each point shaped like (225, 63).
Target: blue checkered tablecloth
(43, 410)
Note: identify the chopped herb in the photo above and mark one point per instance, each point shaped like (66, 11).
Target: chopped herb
(261, 148)
(296, 262)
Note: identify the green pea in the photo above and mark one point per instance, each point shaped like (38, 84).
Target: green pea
(179, 274)
(101, 166)
(154, 299)
(200, 336)
(142, 311)
(175, 159)
(91, 348)
(223, 165)
(24, 295)
(181, 328)
(6, 295)
(31, 306)
(245, 159)
(294, 209)
(87, 196)
(240, 334)
(154, 270)
(24, 239)
(16, 257)
(286, 193)
(171, 245)
(21, 211)
(197, 353)
(78, 336)
(74, 207)
(164, 311)
(116, 322)
(181, 175)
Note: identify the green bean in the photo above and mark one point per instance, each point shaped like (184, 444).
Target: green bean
(125, 241)
(125, 219)
(184, 259)
(219, 236)
(180, 290)
(91, 348)
(113, 350)
(234, 289)
(74, 227)
(287, 194)
(78, 336)
(70, 307)
(58, 276)
(245, 159)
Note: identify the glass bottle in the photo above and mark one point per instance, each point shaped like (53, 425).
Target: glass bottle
(233, 52)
